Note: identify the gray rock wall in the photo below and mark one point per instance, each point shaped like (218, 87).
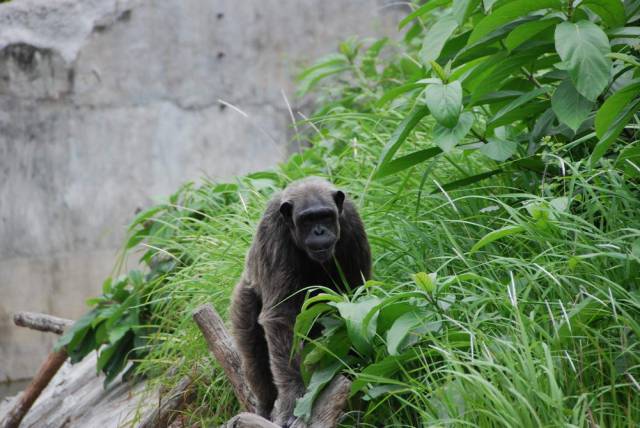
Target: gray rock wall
(108, 105)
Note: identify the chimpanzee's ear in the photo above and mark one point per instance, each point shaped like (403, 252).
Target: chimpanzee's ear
(286, 209)
(338, 197)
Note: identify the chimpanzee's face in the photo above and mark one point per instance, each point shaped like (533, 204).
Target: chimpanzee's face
(314, 222)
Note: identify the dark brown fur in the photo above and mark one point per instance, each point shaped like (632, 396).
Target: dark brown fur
(264, 306)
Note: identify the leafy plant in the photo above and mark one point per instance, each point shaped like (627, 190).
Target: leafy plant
(493, 155)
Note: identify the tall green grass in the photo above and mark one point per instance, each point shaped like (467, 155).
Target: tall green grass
(520, 277)
(550, 314)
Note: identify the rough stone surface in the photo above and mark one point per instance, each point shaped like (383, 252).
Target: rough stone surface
(107, 105)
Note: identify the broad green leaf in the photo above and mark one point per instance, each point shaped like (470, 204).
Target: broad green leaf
(422, 10)
(390, 312)
(445, 102)
(76, 332)
(118, 360)
(527, 31)
(614, 105)
(570, 107)
(306, 318)
(583, 48)
(616, 128)
(354, 314)
(411, 323)
(487, 4)
(509, 12)
(426, 281)
(401, 133)
(460, 9)
(319, 379)
(448, 138)
(382, 370)
(407, 161)
(611, 11)
(499, 149)
(495, 235)
(436, 37)
(396, 91)
(516, 104)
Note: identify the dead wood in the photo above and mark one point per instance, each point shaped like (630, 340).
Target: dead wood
(166, 411)
(224, 350)
(249, 420)
(48, 369)
(41, 322)
(329, 405)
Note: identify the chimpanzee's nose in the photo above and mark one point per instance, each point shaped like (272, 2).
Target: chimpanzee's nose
(318, 230)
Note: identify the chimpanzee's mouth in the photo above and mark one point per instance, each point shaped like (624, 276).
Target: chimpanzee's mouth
(323, 255)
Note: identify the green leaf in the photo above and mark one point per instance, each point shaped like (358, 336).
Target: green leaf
(425, 281)
(401, 133)
(75, 334)
(407, 161)
(495, 235)
(382, 370)
(444, 102)
(452, 185)
(629, 161)
(396, 91)
(319, 379)
(460, 9)
(411, 322)
(516, 105)
(614, 105)
(580, 316)
(616, 128)
(570, 107)
(326, 67)
(508, 13)
(422, 10)
(436, 37)
(583, 48)
(354, 314)
(499, 149)
(527, 31)
(448, 138)
(611, 11)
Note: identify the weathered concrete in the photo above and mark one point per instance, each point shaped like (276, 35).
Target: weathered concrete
(108, 104)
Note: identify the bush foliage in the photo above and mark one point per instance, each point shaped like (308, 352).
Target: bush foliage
(493, 153)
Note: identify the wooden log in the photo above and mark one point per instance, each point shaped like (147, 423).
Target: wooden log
(48, 369)
(326, 411)
(166, 412)
(224, 350)
(329, 405)
(24, 402)
(249, 420)
(41, 322)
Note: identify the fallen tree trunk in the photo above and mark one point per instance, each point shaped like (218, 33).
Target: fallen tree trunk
(41, 322)
(223, 349)
(329, 406)
(166, 412)
(327, 409)
(48, 369)
(249, 420)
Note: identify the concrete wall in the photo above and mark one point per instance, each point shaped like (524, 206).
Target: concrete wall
(106, 105)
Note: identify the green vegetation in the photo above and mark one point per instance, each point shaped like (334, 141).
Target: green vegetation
(493, 153)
